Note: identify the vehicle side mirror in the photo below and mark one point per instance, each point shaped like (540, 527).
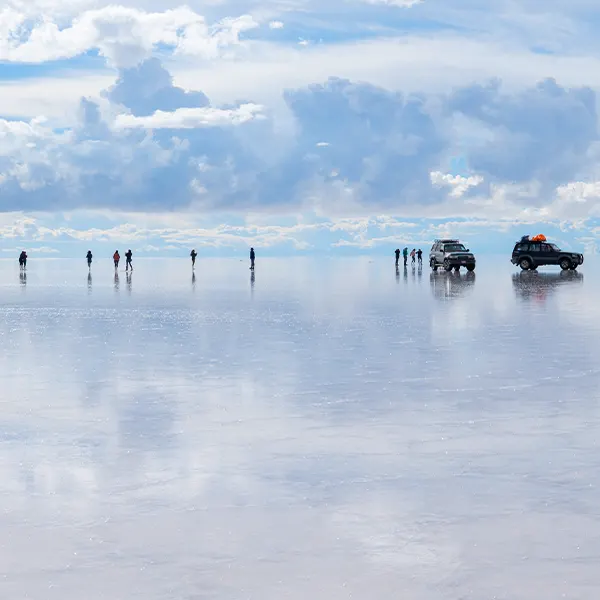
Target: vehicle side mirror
(468, 250)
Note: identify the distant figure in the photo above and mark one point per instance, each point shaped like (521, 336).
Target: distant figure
(23, 260)
(128, 257)
(193, 254)
(420, 256)
(413, 254)
(116, 258)
(405, 255)
(89, 258)
(252, 259)
(397, 256)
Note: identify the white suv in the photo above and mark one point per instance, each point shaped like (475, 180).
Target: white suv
(451, 254)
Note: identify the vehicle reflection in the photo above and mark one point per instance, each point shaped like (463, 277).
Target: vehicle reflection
(531, 285)
(445, 286)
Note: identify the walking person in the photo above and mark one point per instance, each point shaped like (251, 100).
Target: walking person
(397, 256)
(413, 254)
(405, 255)
(420, 256)
(89, 257)
(128, 257)
(193, 254)
(116, 258)
(252, 258)
(23, 260)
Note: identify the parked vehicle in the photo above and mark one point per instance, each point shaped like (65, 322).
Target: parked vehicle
(451, 254)
(530, 254)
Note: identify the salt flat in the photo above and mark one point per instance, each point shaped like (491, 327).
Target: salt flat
(327, 429)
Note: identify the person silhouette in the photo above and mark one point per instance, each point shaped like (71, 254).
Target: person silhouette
(116, 258)
(252, 258)
(420, 256)
(89, 257)
(413, 254)
(405, 255)
(128, 257)
(193, 254)
(23, 260)
(397, 256)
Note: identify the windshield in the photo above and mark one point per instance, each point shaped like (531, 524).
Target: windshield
(555, 247)
(454, 248)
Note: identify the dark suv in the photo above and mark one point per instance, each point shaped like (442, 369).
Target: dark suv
(531, 255)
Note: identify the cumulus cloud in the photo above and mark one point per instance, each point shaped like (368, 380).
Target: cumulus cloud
(124, 36)
(276, 25)
(458, 184)
(190, 118)
(355, 149)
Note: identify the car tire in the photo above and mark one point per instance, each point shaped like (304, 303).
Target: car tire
(470, 268)
(525, 264)
(565, 264)
(433, 264)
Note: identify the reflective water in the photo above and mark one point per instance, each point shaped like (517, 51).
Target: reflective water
(324, 429)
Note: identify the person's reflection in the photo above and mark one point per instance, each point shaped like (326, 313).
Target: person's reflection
(420, 271)
(252, 282)
(23, 278)
(89, 279)
(116, 282)
(405, 274)
(194, 281)
(397, 274)
(128, 276)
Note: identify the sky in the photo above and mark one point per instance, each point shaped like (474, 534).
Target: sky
(296, 126)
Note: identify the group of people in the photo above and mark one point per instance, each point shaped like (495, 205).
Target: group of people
(116, 258)
(414, 255)
(129, 258)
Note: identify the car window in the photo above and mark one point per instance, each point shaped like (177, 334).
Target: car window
(534, 247)
(454, 248)
(546, 248)
(522, 248)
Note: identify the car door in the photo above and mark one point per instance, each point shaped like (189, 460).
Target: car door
(435, 252)
(535, 250)
(548, 255)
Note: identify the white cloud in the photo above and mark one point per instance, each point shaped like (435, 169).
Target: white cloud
(457, 183)
(125, 36)
(398, 3)
(276, 25)
(190, 118)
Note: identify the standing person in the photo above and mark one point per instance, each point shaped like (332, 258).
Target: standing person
(128, 257)
(405, 255)
(23, 260)
(193, 254)
(420, 256)
(397, 256)
(116, 258)
(252, 259)
(413, 254)
(89, 259)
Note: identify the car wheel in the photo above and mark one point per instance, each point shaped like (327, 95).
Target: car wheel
(447, 265)
(433, 264)
(525, 264)
(470, 268)
(573, 267)
(565, 264)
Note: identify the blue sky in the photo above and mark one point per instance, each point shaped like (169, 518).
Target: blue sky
(332, 127)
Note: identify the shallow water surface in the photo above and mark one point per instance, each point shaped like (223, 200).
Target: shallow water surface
(323, 429)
